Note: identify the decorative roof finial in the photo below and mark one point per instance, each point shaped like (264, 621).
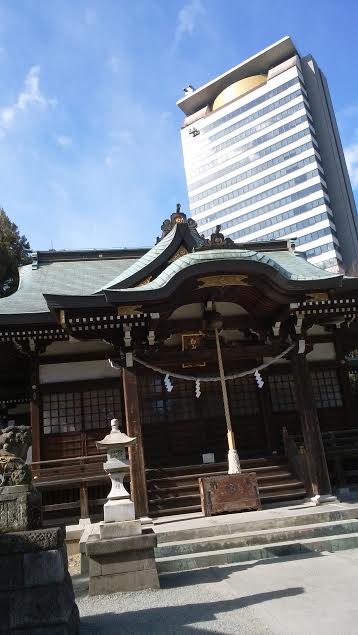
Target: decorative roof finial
(217, 240)
(175, 218)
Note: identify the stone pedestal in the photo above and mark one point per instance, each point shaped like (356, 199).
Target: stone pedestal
(122, 564)
(20, 508)
(36, 594)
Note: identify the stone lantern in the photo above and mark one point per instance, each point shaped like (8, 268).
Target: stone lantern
(120, 551)
(119, 511)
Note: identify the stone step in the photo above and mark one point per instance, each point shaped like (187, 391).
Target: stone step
(237, 523)
(252, 538)
(257, 552)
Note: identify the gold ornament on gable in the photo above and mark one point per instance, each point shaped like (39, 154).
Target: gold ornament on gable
(223, 281)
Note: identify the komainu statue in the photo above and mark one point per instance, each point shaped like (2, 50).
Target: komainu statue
(14, 444)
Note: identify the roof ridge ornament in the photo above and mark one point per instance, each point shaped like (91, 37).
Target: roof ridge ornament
(176, 218)
(217, 240)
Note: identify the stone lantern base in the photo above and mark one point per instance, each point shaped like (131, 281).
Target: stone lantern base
(125, 563)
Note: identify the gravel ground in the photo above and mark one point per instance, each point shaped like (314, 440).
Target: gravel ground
(74, 563)
(314, 594)
(188, 602)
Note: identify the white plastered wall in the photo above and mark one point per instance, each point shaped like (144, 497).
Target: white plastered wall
(77, 371)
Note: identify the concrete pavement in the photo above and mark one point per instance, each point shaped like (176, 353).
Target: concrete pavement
(312, 594)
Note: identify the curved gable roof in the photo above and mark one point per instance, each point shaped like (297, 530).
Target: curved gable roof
(80, 277)
(290, 267)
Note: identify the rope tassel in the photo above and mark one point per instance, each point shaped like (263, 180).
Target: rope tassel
(233, 462)
(197, 388)
(168, 384)
(259, 380)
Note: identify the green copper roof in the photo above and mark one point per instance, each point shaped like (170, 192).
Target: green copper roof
(82, 277)
(287, 263)
(143, 262)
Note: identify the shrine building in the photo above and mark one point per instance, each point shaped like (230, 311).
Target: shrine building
(134, 334)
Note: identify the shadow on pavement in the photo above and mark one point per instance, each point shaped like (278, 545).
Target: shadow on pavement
(179, 579)
(174, 619)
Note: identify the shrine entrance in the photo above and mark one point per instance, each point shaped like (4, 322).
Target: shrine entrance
(178, 427)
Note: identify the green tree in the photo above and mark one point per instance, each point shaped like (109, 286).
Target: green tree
(14, 251)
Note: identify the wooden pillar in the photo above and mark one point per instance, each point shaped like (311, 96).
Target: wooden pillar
(84, 508)
(139, 493)
(343, 377)
(316, 458)
(35, 409)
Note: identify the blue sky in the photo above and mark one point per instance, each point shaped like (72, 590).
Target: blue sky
(89, 127)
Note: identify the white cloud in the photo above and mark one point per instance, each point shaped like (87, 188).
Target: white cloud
(63, 140)
(187, 19)
(351, 154)
(29, 96)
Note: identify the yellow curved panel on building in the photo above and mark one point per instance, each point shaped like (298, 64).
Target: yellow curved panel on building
(238, 89)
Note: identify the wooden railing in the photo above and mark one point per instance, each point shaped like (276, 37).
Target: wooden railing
(297, 458)
(341, 449)
(74, 475)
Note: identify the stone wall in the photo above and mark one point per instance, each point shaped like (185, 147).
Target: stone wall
(36, 594)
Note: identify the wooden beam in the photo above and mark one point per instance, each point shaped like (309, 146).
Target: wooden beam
(316, 457)
(136, 454)
(239, 322)
(251, 350)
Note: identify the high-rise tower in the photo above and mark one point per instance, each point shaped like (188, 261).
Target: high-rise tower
(263, 157)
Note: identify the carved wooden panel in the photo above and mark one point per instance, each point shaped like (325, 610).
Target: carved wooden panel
(229, 493)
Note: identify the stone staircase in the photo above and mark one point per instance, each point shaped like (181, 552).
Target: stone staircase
(233, 541)
(175, 490)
